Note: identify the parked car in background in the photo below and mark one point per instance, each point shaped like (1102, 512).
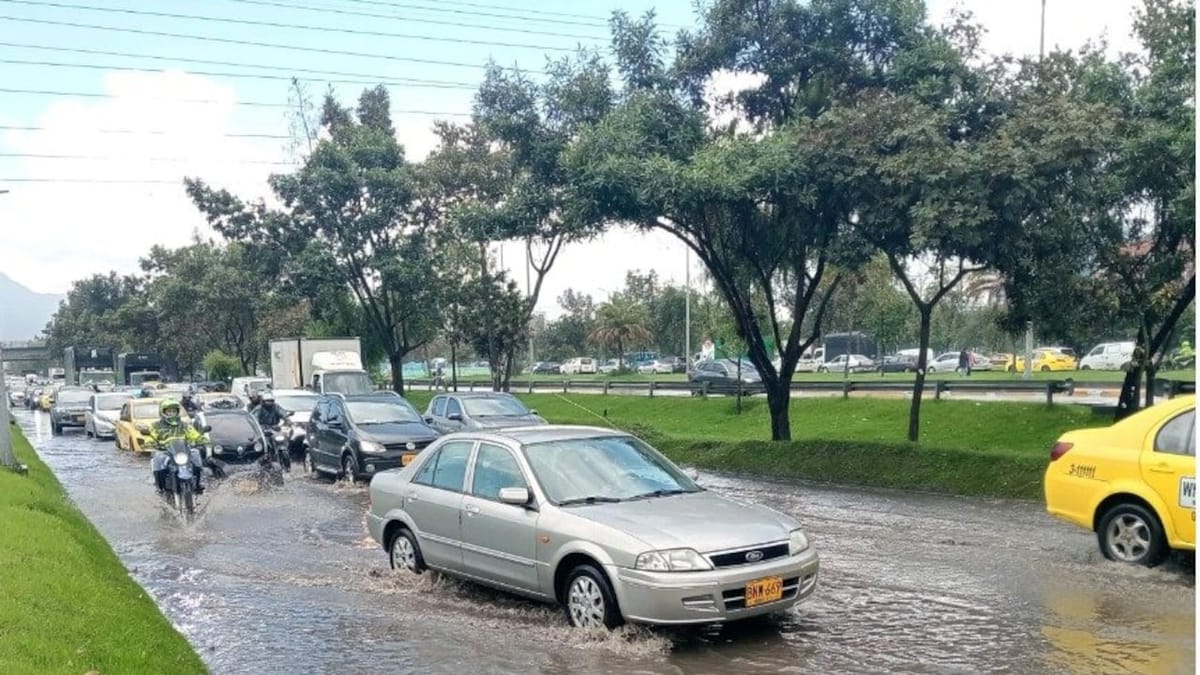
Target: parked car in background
(247, 387)
(100, 420)
(595, 520)
(679, 364)
(1045, 359)
(947, 362)
(581, 365)
(898, 363)
(546, 368)
(724, 372)
(610, 366)
(1133, 483)
(657, 367)
(69, 408)
(465, 411)
(1108, 356)
(357, 436)
(855, 363)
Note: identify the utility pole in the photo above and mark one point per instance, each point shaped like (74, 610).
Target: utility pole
(687, 305)
(529, 295)
(7, 459)
(1042, 40)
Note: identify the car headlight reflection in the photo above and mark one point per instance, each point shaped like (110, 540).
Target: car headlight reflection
(672, 560)
(798, 543)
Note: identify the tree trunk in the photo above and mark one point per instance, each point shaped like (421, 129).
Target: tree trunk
(1151, 373)
(918, 392)
(779, 396)
(1131, 387)
(509, 358)
(396, 361)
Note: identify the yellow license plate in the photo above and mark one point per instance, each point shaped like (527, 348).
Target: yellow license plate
(405, 460)
(762, 591)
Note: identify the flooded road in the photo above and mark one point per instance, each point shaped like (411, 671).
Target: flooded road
(286, 580)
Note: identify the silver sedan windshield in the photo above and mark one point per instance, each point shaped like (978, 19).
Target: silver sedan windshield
(607, 468)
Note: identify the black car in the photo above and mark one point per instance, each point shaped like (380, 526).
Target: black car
(356, 436)
(724, 372)
(547, 368)
(234, 434)
(898, 363)
(463, 411)
(69, 408)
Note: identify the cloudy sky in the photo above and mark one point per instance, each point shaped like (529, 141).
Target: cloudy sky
(108, 105)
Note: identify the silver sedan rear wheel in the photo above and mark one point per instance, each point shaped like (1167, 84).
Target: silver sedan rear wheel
(405, 556)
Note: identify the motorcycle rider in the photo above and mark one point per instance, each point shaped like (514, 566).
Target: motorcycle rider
(269, 415)
(189, 405)
(169, 427)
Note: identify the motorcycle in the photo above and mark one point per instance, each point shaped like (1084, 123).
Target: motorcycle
(278, 440)
(184, 468)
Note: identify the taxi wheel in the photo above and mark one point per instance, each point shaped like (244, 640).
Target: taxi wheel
(1130, 533)
(591, 603)
(1045, 369)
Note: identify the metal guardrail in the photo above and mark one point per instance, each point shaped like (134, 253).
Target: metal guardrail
(1051, 388)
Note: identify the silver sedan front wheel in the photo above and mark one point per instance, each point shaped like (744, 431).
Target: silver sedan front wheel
(590, 601)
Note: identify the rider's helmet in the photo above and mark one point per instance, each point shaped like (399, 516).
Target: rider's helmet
(267, 398)
(169, 411)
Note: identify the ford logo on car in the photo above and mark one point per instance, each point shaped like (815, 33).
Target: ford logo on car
(754, 556)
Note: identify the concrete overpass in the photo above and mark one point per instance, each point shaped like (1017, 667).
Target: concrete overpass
(25, 352)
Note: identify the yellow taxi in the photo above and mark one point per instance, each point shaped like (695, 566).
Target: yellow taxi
(133, 424)
(1133, 483)
(1045, 359)
(46, 401)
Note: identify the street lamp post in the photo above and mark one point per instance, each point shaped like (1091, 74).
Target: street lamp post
(687, 305)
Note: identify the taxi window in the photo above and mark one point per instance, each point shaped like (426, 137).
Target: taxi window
(1176, 437)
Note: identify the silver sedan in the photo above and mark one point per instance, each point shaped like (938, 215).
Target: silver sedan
(592, 519)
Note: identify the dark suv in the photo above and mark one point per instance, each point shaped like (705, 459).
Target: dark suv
(69, 408)
(355, 436)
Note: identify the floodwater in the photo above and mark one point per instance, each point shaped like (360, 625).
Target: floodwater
(286, 580)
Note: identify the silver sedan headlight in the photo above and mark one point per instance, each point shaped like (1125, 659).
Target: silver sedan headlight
(672, 560)
(798, 543)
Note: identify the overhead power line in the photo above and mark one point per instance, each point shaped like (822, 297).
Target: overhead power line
(523, 10)
(113, 158)
(418, 84)
(251, 43)
(416, 19)
(105, 181)
(287, 69)
(137, 132)
(168, 99)
(276, 24)
(448, 8)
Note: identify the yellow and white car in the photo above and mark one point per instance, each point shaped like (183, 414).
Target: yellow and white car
(1133, 483)
(133, 424)
(1045, 359)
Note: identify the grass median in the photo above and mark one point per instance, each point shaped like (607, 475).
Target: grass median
(971, 448)
(67, 604)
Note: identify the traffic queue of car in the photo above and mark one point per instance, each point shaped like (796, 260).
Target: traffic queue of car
(480, 487)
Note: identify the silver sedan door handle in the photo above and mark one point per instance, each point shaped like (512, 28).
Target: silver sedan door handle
(472, 510)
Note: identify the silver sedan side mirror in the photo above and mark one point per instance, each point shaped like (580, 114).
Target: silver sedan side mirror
(517, 496)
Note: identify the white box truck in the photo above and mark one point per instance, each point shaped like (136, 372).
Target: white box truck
(322, 365)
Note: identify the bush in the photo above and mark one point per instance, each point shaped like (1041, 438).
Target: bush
(221, 367)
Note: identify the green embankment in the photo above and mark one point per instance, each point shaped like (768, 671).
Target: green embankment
(970, 448)
(67, 605)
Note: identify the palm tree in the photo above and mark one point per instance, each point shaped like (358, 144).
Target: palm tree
(621, 322)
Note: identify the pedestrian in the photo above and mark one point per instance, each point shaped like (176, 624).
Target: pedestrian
(964, 363)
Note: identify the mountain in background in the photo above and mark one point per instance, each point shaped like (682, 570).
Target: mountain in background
(23, 313)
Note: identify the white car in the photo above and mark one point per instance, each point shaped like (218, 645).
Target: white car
(1108, 356)
(100, 419)
(857, 364)
(947, 362)
(579, 366)
(657, 367)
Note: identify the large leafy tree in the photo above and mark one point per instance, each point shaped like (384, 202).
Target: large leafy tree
(353, 211)
(1128, 263)
(757, 198)
(90, 315)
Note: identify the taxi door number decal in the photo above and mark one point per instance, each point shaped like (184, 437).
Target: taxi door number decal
(1187, 492)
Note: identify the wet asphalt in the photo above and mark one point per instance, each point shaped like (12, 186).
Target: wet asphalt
(285, 579)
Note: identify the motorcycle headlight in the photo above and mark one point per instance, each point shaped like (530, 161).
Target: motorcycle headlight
(279, 438)
(672, 560)
(258, 446)
(218, 448)
(371, 447)
(797, 543)
(182, 457)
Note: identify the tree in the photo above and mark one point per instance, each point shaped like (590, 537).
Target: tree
(870, 300)
(352, 210)
(621, 322)
(1126, 259)
(567, 336)
(221, 367)
(91, 313)
(490, 322)
(755, 198)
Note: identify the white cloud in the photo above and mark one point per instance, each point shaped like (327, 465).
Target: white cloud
(63, 231)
